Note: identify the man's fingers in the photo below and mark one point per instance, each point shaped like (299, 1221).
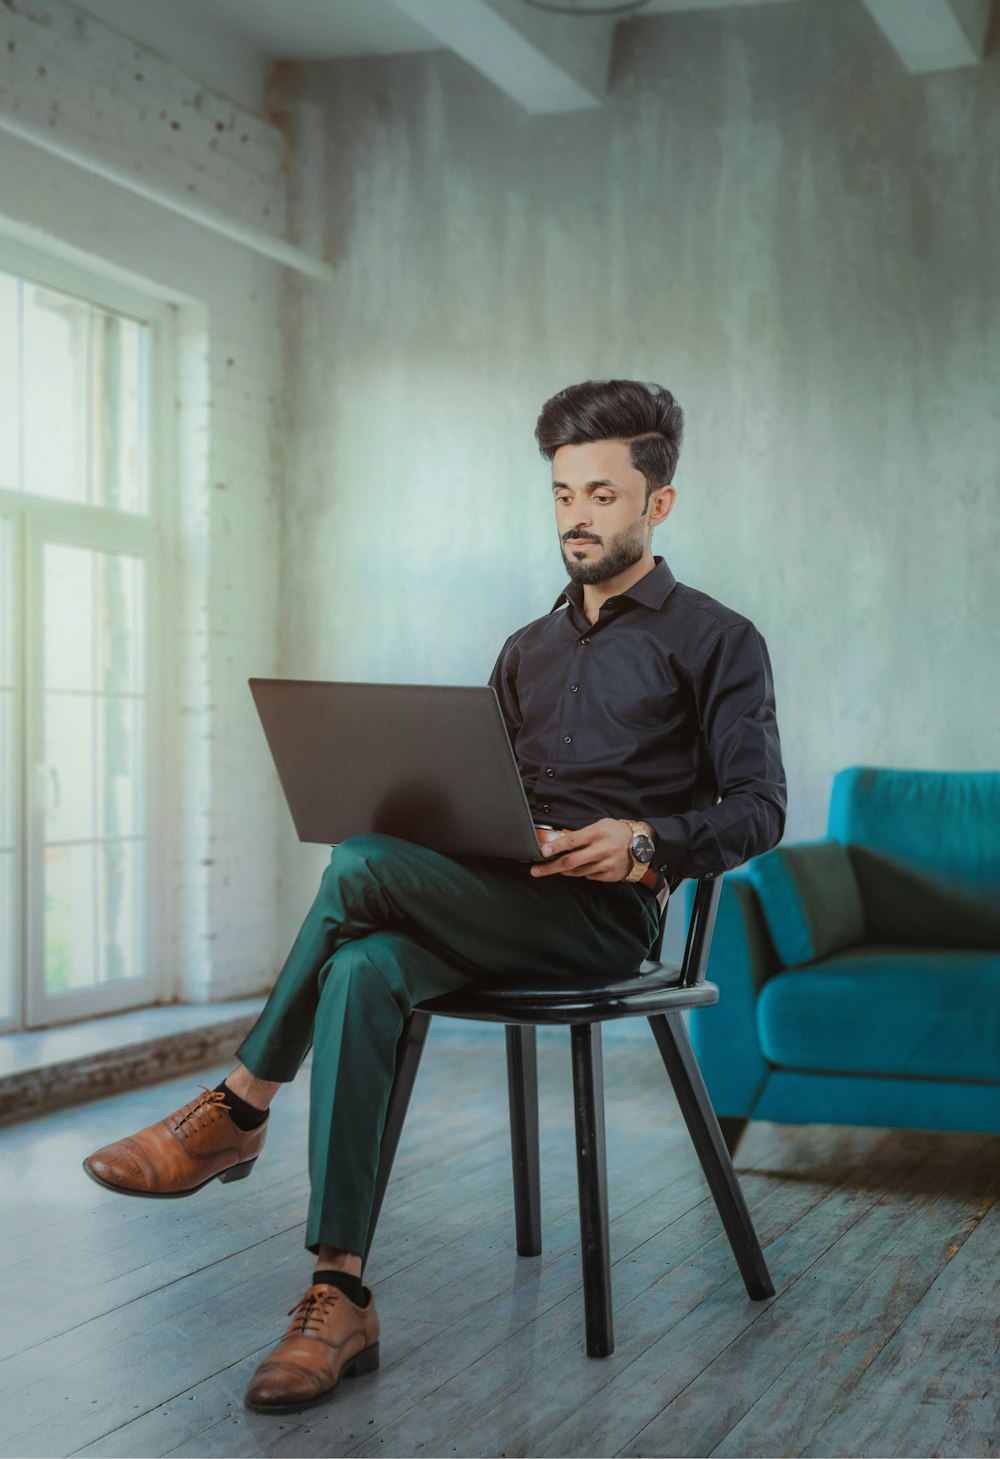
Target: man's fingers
(589, 868)
(577, 863)
(568, 841)
(577, 853)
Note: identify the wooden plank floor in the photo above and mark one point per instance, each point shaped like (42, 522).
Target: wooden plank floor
(132, 1327)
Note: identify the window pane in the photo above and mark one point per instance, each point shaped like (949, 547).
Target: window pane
(68, 630)
(121, 766)
(69, 918)
(84, 375)
(69, 767)
(93, 914)
(9, 392)
(8, 934)
(6, 602)
(8, 769)
(117, 370)
(8, 784)
(120, 874)
(119, 582)
(9, 921)
(95, 726)
(55, 331)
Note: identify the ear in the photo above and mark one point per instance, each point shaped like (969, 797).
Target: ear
(661, 504)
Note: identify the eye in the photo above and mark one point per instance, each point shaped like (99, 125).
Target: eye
(603, 499)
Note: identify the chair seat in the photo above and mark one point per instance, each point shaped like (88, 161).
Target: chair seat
(531, 998)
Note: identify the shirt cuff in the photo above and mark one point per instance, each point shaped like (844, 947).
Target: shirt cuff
(672, 838)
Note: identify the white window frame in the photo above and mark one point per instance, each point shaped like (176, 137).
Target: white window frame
(40, 520)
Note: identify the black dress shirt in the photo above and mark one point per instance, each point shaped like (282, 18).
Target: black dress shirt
(651, 713)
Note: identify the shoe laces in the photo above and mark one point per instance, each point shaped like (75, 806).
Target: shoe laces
(313, 1307)
(211, 1101)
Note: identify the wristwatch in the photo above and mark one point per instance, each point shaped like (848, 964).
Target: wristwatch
(641, 850)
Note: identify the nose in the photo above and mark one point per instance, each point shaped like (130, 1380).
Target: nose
(583, 518)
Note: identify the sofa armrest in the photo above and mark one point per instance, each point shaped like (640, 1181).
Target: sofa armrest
(810, 898)
(724, 1034)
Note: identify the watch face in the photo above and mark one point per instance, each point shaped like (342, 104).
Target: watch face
(642, 848)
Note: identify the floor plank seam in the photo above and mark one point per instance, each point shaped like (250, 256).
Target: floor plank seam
(720, 1239)
(908, 1169)
(144, 1296)
(572, 1296)
(822, 1193)
(917, 1216)
(943, 1272)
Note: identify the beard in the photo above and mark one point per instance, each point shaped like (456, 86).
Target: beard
(620, 553)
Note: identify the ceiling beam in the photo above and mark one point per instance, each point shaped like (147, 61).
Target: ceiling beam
(933, 35)
(545, 62)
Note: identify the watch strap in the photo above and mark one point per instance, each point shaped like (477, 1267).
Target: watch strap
(644, 874)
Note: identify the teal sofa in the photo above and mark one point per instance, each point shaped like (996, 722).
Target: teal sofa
(860, 973)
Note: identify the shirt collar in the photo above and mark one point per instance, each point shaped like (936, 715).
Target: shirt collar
(651, 590)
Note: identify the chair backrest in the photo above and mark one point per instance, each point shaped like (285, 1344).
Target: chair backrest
(699, 932)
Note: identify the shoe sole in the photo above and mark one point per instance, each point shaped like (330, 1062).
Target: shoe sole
(365, 1362)
(235, 1172)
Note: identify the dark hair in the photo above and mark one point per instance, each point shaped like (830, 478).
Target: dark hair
(645, 415)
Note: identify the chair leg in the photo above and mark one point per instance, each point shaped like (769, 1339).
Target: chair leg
(409, 1048)
(522, 1093)
(732, 1127)
(703, 1126)
(592, 1179)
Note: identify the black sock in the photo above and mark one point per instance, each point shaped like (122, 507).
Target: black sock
(345, 1281)
(244, 1116)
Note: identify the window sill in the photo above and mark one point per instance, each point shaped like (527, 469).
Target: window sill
(45, 1069)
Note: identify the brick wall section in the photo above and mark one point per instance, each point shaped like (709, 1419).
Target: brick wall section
(64, 70)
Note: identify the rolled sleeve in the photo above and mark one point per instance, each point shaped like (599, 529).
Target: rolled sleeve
(734, 691)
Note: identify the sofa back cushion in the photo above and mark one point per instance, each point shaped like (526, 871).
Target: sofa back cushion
(925, 846)
(810, 899)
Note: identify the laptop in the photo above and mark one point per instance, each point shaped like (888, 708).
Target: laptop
(430, 763)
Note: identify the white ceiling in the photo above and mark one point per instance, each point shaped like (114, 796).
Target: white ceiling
(543, 61)
(322, 30)
(228, 44)
(313, 30)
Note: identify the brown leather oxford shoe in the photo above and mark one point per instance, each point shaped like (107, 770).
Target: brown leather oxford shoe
(180, 1153)
(330, 1337)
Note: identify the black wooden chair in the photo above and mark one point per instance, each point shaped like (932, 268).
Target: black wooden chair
(658, 991)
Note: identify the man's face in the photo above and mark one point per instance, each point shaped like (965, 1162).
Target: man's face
(598, 497)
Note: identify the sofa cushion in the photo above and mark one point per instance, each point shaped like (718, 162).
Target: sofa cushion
(925, 845)
(809, 898)
(933, 1013)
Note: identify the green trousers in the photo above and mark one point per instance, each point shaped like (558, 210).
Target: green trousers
(394, 923)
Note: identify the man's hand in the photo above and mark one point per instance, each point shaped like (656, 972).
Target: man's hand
(600, 852)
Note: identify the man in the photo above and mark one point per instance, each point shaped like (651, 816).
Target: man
(631, 705)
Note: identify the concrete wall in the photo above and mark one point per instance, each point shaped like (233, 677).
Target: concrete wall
(220, 517)
(770, 217)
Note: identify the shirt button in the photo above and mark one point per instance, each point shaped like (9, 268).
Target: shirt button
(549, 770)
(567, 739)
(546, 807)
(573, 688)
(584, 640)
